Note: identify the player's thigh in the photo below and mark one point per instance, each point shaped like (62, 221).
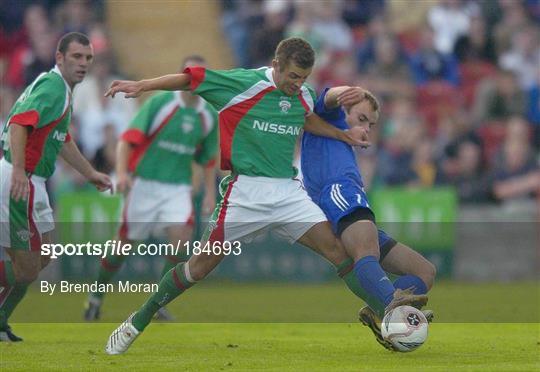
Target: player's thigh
(46, 238)
(26, 264)
(321, 240)
(403, 260)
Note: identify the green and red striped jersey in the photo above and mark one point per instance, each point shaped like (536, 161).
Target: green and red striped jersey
(258, 123)
(45, 108)
(168, 135)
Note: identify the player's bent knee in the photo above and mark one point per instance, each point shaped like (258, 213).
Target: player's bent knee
(45, 261)
(429, 273)
(27, 276)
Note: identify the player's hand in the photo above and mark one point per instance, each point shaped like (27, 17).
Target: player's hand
(123, 182)
(350, 97)
(101, 181)
(132, 89)
(358, 136)
(208, 204)
(19, 185)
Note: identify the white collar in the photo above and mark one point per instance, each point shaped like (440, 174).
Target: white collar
(57, 71)
(270, 75)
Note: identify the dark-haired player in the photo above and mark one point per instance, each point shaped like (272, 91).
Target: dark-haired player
(36, 132)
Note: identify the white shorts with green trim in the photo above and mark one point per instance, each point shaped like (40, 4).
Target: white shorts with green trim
(22, 223)
(152, 206)
(254, 206)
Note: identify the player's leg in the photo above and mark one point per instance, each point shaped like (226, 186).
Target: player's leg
(139, 213)
(24, 225)
(176, 281)
(177, 235)
(414, 270)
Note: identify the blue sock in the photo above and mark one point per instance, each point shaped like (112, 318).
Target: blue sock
(373, 279)
(408, 281)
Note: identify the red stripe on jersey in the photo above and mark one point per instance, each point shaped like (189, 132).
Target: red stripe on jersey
(28, 118)
(140, 150)
(134, 136)
(304, 103)
(35, 238)
(229, 120)
(218, 234)
(36, 142)
(68, 138)
(197, 76)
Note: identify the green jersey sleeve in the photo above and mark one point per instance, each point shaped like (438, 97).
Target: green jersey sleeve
(218, 87)
(41, 103)
(206, 153)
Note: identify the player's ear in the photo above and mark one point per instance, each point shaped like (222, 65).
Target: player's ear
(275, 64)
(59, 57)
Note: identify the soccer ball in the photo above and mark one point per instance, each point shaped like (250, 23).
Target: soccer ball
(405, 327)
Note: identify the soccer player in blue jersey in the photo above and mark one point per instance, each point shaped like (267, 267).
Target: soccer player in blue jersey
(333, 181)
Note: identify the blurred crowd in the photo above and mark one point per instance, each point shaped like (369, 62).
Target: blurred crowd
(459, 80)
(459, 83)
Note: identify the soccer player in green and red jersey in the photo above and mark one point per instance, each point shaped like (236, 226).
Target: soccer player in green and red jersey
(261, 114)
(36, 132)
(171, 131)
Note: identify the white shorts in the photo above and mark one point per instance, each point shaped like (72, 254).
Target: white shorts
(252, 206)
(152, 206)
(23, 223)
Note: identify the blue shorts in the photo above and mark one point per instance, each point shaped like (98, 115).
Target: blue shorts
(340, 199)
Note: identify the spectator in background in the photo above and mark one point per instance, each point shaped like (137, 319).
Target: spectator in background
(339, 69)
(450, 19)
(358, 13)
(75, 15)
(430, 65)
(378, 27)
(238, 18)
(498, 98)
(533, 111)
(302, 25)
(265, 39)
(523, 58)
(477, 45)
(466, 172)
(94, 112)
(401, 134)
(32, 49)
(105, 158)
(514, 19)
(330, 27)
(517, 174)
(389, 75)
(423, 164)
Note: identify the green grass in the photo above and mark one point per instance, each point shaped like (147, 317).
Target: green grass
(268, 327)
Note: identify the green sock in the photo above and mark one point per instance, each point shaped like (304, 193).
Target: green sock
(170, 262)
(108, 269)
(345, 271)
(15, 295)
(172, 285)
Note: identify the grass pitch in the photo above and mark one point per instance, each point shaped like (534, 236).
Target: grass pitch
(245, 339)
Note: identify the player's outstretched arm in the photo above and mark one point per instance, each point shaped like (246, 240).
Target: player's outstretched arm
(71, 154)
(123, 179)
(134, 89)
(345, 96)
(316, 125)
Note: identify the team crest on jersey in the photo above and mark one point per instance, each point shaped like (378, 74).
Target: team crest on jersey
(24, 235)
(187, 127)
(285, 106)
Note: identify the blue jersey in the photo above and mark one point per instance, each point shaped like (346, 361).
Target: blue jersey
(325, 160)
